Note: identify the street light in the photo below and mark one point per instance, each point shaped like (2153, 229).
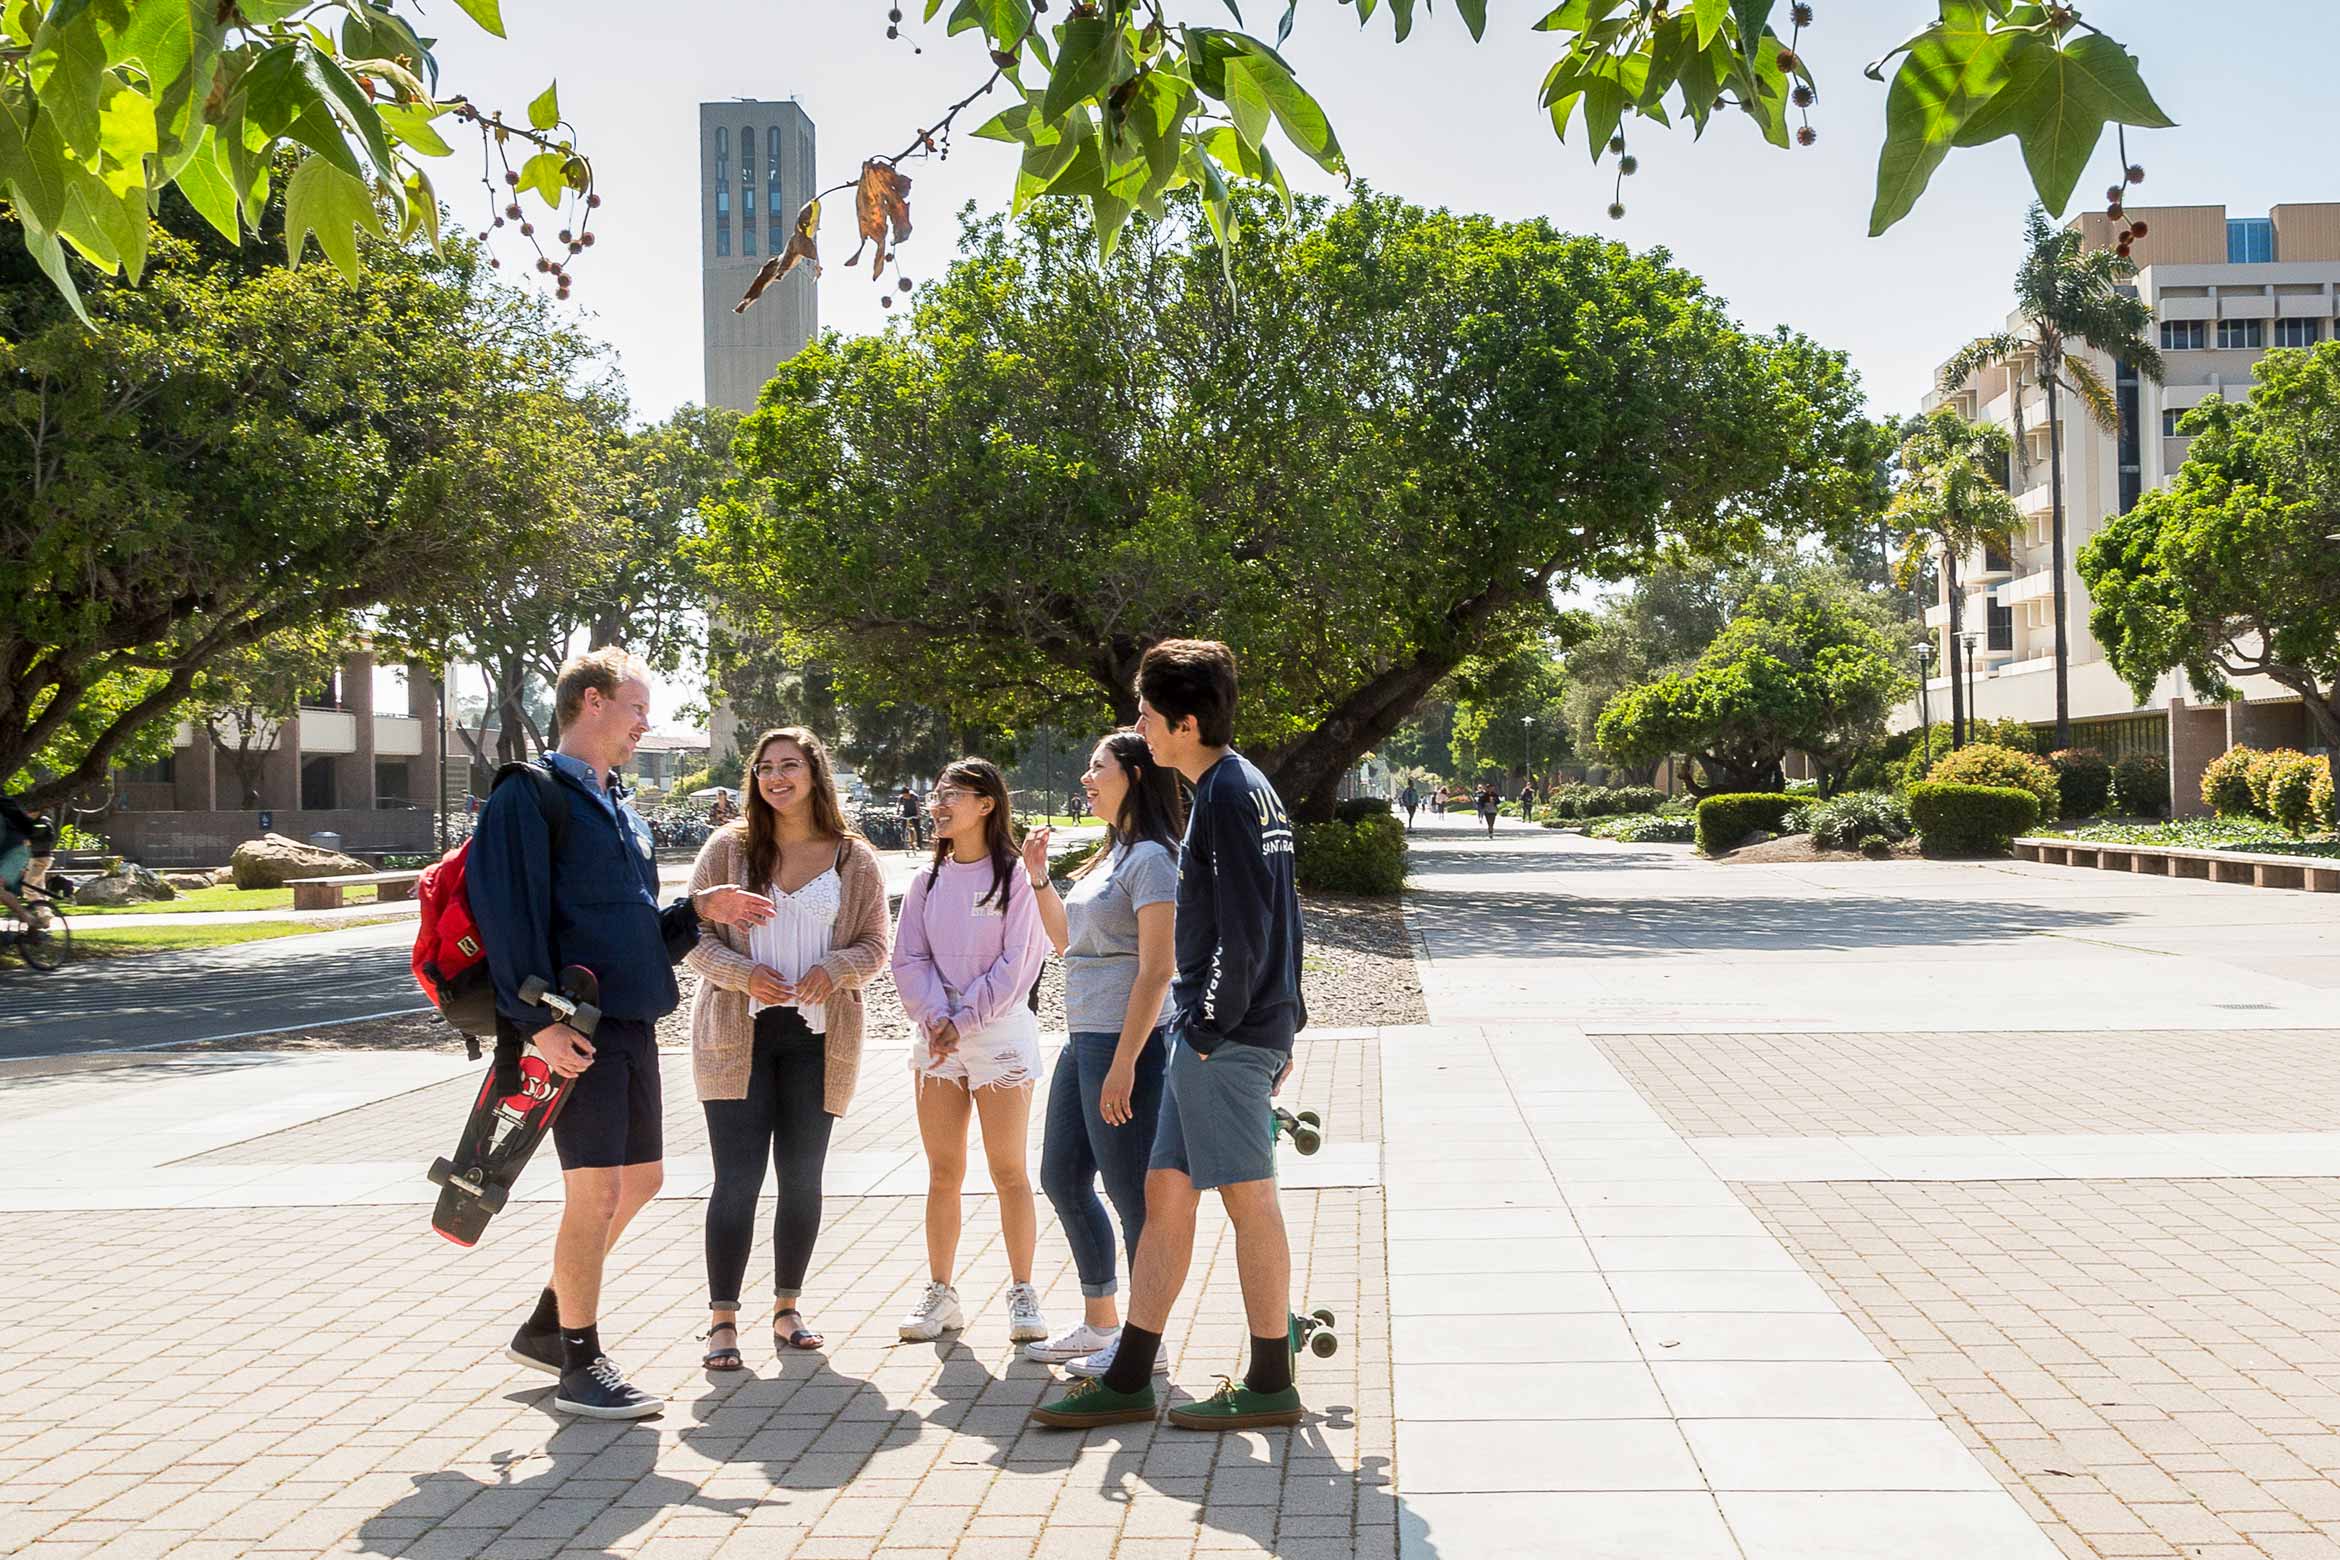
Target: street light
(1925, 660)
(1974, 639)
(1527, 749)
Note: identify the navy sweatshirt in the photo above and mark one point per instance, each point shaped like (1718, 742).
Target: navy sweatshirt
(596, 906)
(1238, 926)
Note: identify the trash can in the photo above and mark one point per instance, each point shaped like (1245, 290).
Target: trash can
(326, 839)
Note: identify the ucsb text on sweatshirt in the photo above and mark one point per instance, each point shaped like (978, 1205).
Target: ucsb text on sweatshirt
(1238, 925)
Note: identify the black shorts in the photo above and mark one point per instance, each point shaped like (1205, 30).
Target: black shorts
(614, 1115)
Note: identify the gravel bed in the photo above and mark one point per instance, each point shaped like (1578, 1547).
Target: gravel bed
(1358, 972)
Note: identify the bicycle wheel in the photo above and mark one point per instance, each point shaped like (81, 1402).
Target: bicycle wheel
(47, 941)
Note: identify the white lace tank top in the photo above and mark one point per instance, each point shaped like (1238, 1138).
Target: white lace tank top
(798, 937)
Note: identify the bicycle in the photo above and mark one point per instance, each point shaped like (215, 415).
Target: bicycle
(40, 937)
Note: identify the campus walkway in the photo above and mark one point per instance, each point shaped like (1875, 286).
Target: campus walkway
(1862, 1210)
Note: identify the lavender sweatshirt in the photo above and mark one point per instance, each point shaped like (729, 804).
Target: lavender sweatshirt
(959, 962)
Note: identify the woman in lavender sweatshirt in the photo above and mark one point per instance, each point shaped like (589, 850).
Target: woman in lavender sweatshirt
(967, 955)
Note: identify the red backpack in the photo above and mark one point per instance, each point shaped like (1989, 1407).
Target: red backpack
(450, 962)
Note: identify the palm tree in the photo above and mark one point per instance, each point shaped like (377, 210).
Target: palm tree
(1949, 495)
(2066, 293)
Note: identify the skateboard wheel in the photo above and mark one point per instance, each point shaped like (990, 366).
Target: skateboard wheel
(1307, 1140)
(440, 1171)
(492, 1198)
(1309, 1118)
(1324, 1343)
(1323, 1318)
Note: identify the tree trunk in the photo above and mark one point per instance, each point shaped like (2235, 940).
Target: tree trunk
(1308, 775)
(512, 719)
(1957, 682)
(2056, 562)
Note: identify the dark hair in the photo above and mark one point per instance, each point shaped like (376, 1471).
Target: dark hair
(1154, 806)
(982, 776)
(1192, 677)
(763, 819)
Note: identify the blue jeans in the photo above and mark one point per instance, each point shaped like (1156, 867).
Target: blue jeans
(1078, 1146)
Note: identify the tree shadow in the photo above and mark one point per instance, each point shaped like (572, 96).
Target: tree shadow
(1476, 923)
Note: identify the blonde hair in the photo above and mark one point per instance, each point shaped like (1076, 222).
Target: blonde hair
(602, 670)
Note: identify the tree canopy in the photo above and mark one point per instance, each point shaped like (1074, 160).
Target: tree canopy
(1805, 665)
(242, 452)
(2231, 570)
(1368, 459)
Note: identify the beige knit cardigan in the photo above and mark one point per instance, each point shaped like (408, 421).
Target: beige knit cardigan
(722, 1033)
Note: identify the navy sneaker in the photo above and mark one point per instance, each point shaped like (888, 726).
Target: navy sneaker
(538, 1348)
(599, 1392)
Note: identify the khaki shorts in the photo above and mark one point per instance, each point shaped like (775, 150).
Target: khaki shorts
(1003, 1055)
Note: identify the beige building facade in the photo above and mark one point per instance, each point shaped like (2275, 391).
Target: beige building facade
(2225, 289)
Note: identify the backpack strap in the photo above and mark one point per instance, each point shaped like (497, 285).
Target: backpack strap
(549, 802)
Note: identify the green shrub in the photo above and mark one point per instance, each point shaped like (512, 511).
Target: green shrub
(1598, 801)
(1726, 819)
(1971, 820)
(1876, 845)
(1987, 763)
(1646, 829)
(2291, 786)
(2226, 784)
(2264, 767)
(1357, 807)
(2141, 785)
(1637, 798)
(2320, 798)
(1365, 857)
(1842, 822)
(1914, 765)
(2083, 780)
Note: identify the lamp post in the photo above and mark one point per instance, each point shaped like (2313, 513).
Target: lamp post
(1527, 749)
(1925, 660)
(1974, 639)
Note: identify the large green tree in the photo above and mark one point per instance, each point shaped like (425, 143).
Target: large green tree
(2069, 296)
(241, 451)
(1805, 665)
(2232, 570)
(1370, 457)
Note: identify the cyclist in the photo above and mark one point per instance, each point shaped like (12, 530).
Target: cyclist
(22, 837)
(913, 818)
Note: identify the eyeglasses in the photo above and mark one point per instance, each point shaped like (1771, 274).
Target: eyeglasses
(947, 796)
(791, 766)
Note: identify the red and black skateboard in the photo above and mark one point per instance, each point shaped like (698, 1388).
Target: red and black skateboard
(502, 1131)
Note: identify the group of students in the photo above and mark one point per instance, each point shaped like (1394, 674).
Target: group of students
(1181, 945)
(1489, 802)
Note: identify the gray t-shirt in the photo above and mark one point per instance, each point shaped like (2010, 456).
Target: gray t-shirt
(1101, 950)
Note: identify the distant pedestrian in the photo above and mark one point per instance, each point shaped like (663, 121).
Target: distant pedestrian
(1410, 800)
(1527, 802)
(1490, 803)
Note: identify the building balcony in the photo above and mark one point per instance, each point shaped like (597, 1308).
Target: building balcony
(1938, 615)
(327, 732)
(398, 736)
(2038, 499)
(2031, 587)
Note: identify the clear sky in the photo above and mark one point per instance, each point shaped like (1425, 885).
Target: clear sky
(1779, 235)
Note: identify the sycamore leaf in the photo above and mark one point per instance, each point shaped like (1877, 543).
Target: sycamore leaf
(542, 173)
(32, 161)
(881, 201)
(412, 127)
(51, 257)
(2055, 103)
(67, 69)
(488, 13)
(545, 112)
(1949, 71)
(320, 198)
(802, 245)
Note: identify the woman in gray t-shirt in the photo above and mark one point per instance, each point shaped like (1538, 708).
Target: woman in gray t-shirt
(1113, 928)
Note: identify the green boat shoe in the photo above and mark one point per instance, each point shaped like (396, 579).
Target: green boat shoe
(1088, 1401)
(1236, 1407)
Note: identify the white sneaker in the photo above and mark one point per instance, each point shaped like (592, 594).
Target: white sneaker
(1099, 1363)
(936, 1313)
(1025, 1323)
(1064, 1347)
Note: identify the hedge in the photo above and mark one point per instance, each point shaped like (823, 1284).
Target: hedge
(1355, 807)
(2226, 783)
(2291, 790)
(1725, 820)
(1987, 763)
(2141, 785)
(1971, 820)
(2084, 780)
(1365, 857)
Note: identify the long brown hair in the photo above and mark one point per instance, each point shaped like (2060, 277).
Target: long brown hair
(763, 819)
(1154, 806)
(982, 776)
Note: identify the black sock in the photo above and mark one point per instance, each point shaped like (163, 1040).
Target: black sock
(580, 1347)
(547, 1314)
(1133, 1358)
(1271, 1364)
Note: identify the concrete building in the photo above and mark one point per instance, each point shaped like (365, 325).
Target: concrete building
(341, 766)
(2224, 290)
(755, 170)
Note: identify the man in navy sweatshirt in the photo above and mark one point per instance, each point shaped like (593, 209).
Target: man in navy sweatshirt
(1237, 1005)
(591, 902)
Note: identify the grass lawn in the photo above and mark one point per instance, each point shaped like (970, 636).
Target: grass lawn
(198, 901)
(105, 943)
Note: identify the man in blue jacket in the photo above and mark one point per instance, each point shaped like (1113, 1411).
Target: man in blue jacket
(1237, 1005)
(593, 902)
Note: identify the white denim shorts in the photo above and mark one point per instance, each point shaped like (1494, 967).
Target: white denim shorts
(1005, 1054)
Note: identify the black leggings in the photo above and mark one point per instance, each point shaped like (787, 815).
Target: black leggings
(781, 1116)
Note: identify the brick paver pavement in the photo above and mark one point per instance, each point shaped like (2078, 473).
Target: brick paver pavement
(2153, 1367)
(330, 1380)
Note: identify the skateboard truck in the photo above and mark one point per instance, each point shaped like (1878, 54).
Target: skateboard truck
(1306, 1130)
(578, 1015)
(510, 1115)
(1314, 1332)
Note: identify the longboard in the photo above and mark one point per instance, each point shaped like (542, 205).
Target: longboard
(503, 1130)
(1315, 1332)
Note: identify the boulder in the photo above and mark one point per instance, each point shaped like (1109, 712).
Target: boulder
(130, 884)
(272, 861)
(189, 882)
